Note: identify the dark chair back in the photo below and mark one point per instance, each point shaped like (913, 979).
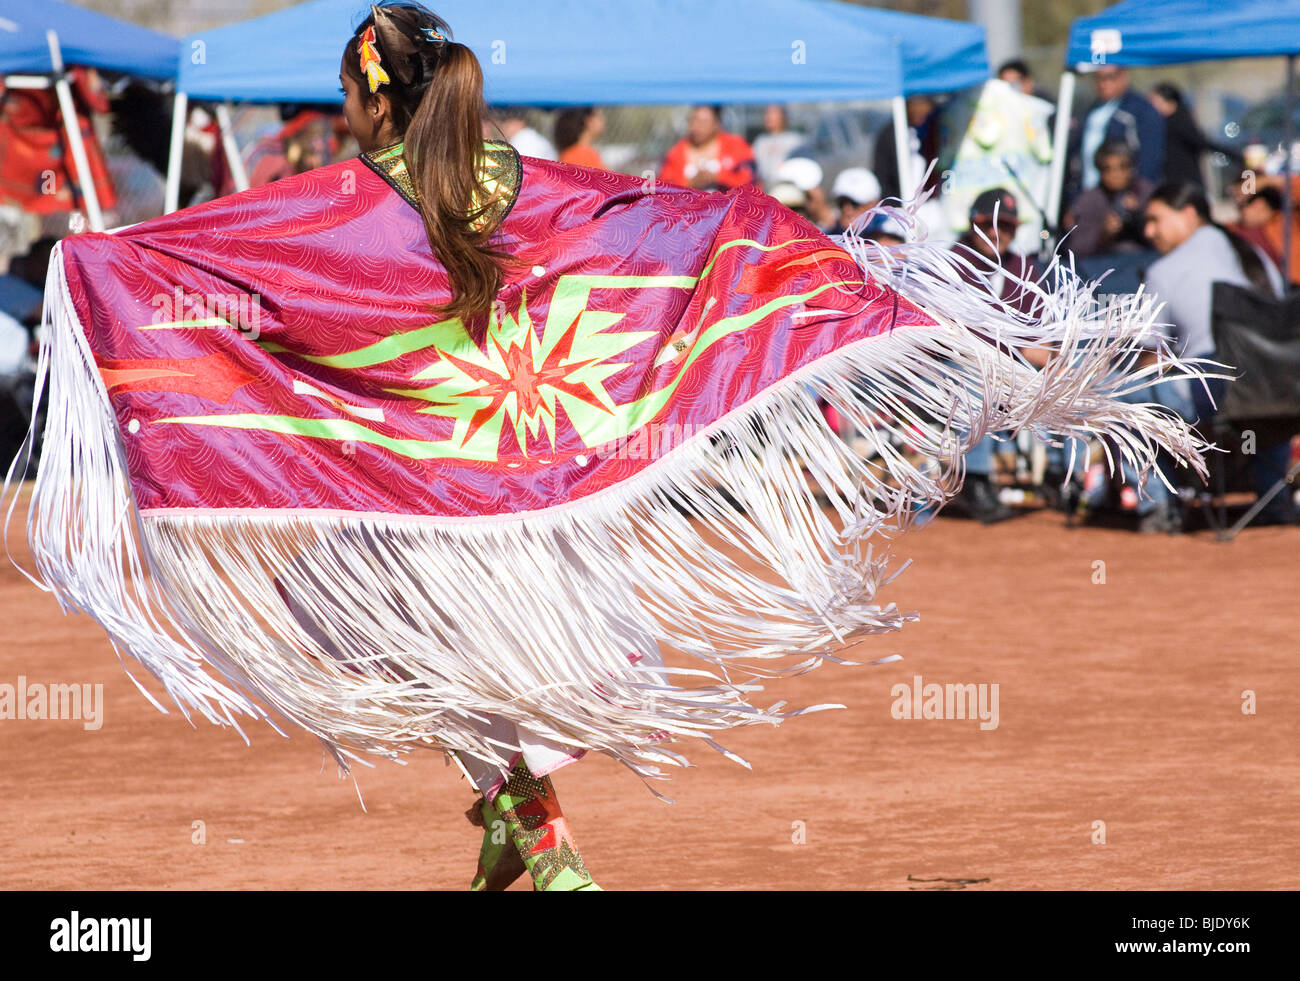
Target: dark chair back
(1259, 336)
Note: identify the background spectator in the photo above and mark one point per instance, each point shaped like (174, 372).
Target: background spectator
(1195, 254)
(513, 124)
(21, 288)
(576, 132)
(303, 143)
(923, 114)
(1109, 217)
(1121, 115)
(1261, 225)
(29, 270)
(994, 219)
(1184, 141)
(1017, 72)
(774, 146)
(855, 192)
(807, 175)
(708, 158)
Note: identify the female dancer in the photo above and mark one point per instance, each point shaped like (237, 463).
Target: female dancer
(494, 431)
(413, 99)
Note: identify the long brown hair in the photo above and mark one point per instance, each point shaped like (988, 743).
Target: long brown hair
(435, 89)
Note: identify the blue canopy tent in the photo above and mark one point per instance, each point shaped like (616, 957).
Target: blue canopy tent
(1166, 32)
(938, 55)
(85, 38)
(571, 52)
(38, 39)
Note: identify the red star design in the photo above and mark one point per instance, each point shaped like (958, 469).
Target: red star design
(523, 380)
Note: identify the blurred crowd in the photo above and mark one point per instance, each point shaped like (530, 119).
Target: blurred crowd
(1135, 204)
(1135, 207)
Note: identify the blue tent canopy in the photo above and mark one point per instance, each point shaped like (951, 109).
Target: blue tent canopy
(87, 38)
(938, 55)
(1166, 32)
(574, 52)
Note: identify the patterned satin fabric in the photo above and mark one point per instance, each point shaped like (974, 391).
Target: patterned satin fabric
(279, 349)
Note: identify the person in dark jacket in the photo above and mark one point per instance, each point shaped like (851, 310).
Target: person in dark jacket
(1184, 141)
(923, 121)
(1119, 115)
(1109, 218)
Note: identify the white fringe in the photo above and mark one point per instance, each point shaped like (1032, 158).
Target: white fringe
(532, 619)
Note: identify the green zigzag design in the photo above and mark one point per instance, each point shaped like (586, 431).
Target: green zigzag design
(453, 396)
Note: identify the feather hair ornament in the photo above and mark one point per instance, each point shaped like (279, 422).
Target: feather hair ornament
(370, 64)
(405, 34)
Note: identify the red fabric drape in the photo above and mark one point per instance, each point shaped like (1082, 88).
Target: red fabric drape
(37, 171)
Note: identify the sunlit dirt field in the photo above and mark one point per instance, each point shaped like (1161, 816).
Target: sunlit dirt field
(1121, 759)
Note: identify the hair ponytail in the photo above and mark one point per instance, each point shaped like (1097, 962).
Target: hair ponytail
(444, 150)
(1252, 263)
(436, 94)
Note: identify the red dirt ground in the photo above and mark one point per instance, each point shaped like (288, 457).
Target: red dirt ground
(1119, 703)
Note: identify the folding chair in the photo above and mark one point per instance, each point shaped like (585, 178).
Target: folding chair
(1259, 336)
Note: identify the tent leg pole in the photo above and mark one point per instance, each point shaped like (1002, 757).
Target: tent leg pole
(903, 149)
(72, 125)
(1060, 140)
(179, 115)
(1288, 202)
(237, 171)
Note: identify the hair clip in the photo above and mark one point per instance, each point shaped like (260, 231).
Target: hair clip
(370, 65)
(432, 35)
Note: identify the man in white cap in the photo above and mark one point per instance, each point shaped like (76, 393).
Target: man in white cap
(854, 192)
(790, 196)
(513, 123)
(806, 174)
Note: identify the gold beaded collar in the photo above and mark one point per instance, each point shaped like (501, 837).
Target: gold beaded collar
(500, 174)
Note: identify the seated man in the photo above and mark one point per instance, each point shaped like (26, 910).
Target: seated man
(1109, 218)
(1196, 253)
(708, 158)
(855, 192)
(1262, 224)
(994, 218)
